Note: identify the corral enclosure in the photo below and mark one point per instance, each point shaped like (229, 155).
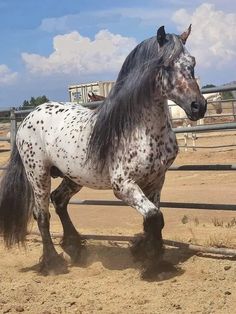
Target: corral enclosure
(108, 281)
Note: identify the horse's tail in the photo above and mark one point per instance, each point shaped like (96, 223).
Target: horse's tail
(16, 201)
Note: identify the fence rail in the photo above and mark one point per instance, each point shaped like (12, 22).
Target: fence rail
(209, 127)
(208, 206)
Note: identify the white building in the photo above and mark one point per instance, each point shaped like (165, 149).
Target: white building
(79, 93)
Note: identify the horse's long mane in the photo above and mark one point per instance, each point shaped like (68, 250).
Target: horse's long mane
(132, 93)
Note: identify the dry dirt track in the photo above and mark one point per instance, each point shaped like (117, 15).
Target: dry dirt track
(109, 281)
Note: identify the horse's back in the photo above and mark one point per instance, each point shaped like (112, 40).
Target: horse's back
(50, 117)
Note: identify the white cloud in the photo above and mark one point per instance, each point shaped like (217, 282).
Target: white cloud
(74, 53)
(212, 40)
(105, 19)
(6, 75)
(57, 24)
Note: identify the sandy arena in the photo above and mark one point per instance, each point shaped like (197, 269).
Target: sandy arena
(109, 280)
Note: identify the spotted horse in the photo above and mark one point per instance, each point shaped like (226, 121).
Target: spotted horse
(126, 145)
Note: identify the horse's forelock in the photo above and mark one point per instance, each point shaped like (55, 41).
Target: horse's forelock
(172, 49)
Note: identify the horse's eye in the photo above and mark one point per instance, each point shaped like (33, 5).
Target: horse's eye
(191, 70)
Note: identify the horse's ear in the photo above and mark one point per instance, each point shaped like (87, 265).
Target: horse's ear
(161, 36)
(184, 35)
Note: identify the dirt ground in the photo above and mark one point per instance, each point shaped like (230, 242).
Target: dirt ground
(109, 280)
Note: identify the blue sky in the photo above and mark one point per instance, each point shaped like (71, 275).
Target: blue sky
(47, 45)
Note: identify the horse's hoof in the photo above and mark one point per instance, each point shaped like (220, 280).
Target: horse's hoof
(53, 266)
(138, 248)
(147, 248)
(73, 247)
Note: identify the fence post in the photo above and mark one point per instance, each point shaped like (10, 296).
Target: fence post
(233, 109)
(13, 127)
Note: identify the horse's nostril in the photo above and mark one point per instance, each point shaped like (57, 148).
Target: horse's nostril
(194, 106)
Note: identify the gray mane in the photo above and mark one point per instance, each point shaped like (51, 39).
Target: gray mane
(132, 93)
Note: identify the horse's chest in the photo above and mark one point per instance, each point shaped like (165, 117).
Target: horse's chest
(158, 160)
(166, 153)
(160, 153)
(147, 161)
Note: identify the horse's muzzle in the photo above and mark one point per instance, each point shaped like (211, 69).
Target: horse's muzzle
(198, 110)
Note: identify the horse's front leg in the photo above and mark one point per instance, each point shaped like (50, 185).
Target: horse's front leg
(150, 244)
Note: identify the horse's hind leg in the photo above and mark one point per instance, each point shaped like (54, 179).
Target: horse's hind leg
(71, 241)
(51, 261)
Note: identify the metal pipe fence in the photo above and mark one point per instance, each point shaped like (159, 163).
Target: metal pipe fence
(16, 114)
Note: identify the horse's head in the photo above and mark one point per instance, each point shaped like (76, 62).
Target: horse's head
(94, 97)
(215, 100)
(178, 81)
(217, 103)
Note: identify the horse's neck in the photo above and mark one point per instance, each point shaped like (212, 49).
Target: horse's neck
(157, 117)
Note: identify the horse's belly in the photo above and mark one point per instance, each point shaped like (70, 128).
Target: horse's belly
(84, 174)
(91, 179)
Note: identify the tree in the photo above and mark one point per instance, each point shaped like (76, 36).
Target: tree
(225, 95)
(34, 102)
(208, 86)
(25, 103)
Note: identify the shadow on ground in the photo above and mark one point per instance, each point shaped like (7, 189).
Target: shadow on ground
(117, 256)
